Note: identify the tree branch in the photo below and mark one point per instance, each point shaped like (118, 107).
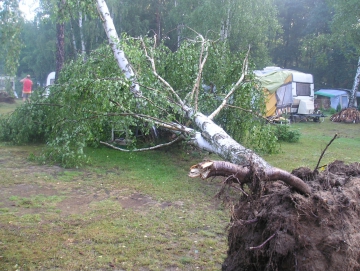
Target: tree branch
(143, 149)
(241, 174)
(232, 90)
(249, 111)
(167, 85)
(323, 152)
(202, 61)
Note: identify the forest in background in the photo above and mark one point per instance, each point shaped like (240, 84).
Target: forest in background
(319, 37)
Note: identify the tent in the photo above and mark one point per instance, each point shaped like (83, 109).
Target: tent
(333, 98)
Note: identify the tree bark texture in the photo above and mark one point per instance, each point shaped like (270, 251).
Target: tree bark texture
(114, 43)
(241, 174)
(355, 87)
(60, 38)
(207, 135)
(60, 48)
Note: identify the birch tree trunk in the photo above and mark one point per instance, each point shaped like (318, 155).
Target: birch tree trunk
(114, 43)
(352, 100)
(211, 137)
(207, 135)
(83, 49)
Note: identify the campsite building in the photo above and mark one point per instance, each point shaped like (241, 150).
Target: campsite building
(333, 98)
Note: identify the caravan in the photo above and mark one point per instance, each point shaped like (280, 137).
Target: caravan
(288, 92)
(50, 80)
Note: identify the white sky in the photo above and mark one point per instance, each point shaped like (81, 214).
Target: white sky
(28, 7)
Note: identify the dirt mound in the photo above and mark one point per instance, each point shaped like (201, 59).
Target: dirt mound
(276, 228)
(5, 98)
(347, 115)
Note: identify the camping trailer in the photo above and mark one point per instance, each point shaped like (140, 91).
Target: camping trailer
(50, 80)
(287, 91)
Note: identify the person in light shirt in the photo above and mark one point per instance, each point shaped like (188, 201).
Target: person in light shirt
(27, 87)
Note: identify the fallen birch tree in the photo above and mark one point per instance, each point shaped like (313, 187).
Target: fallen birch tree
(204, 132)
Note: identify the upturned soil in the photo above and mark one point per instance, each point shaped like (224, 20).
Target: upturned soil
(276, 228)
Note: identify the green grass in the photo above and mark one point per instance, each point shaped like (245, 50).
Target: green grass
(314, 139)
(131, 211)
(8, 108)
(179, 224)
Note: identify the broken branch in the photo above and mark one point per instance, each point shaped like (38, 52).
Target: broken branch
(323, 152)
(241, 174)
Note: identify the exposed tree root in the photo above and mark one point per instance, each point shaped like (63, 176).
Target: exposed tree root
(242, 174)
(274, 228)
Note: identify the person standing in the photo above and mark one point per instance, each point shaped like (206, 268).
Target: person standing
(27, 87)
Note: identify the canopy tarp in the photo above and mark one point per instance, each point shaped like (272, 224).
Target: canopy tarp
(331, 92)
(273, 80)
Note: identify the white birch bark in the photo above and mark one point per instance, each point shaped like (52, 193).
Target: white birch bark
(225, 26)
(83, 49)
(352, 100)
(210, 136)
(222, 144)
(114, 42)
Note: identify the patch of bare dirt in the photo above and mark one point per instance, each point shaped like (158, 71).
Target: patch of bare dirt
(280, 229)
(78, 198)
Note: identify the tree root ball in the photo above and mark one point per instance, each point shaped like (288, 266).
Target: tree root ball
(280, 229)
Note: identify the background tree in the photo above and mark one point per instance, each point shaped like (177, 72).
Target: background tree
(10, 29)
(93, 96)
(346, 28)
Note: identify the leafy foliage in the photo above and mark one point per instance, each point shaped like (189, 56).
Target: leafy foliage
(10, 29)
(92, 97)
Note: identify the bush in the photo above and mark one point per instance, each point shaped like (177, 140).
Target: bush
(286, 134)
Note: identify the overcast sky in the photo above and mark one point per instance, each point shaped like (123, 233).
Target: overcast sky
(28, 8)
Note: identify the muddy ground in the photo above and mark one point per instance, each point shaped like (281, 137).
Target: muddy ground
(279, 229)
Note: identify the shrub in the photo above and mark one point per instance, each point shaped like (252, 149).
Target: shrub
(286, 134)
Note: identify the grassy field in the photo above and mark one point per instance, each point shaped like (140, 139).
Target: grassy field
(126, 211)
(131, 211)
(314, 139)
(7, 108)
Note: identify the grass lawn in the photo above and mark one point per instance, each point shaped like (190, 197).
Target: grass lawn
(125, 212)
(314, 139)
(7, 108)
(131, 211)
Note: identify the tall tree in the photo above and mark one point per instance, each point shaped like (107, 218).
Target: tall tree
(61, 11)
(207, 134)
(60, 37)
(10, 29)
(346, 27)
(293, 17)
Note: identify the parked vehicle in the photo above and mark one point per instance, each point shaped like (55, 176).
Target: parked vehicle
(50, 80)
(289, 93)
